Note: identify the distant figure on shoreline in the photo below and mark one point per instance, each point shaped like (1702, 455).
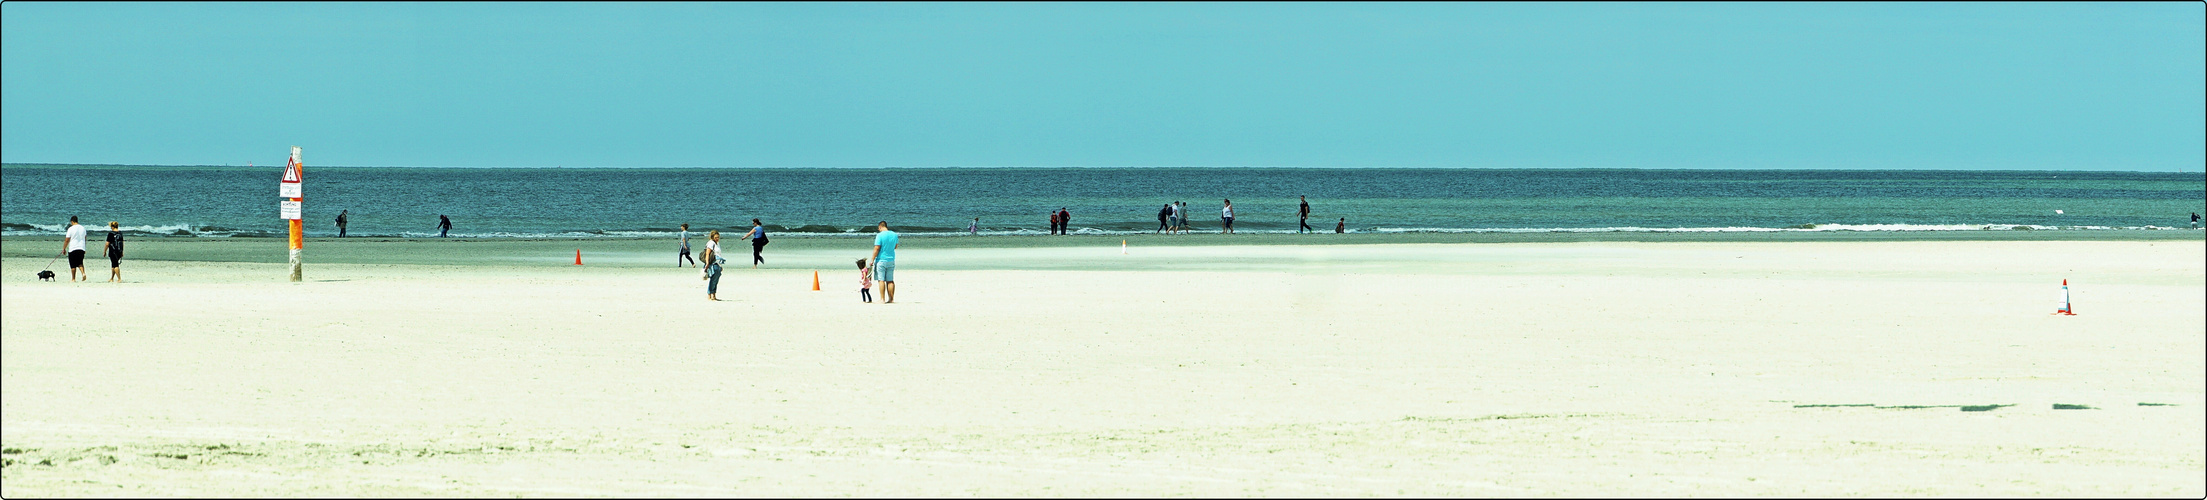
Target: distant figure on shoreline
(685, 255)
(341, 222)
(1164, 219)
(758, 242)
(444, 225)
(711, 273)
(114, 252)
(2195, 220)
(1180, 216)
(1053, 223)
(1065, 221)
(1172, 217)
(865, 283)
(974, 228)
(1304, 215)
(1227, 214)
(1341, 227)
(885, 262)
(72, 243)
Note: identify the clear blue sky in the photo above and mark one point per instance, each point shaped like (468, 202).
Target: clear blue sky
(1762, 85)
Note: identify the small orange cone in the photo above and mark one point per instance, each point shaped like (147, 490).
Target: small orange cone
(578, 256)
(816, 280)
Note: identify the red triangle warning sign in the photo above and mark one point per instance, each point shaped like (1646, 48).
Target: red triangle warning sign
(291, 172)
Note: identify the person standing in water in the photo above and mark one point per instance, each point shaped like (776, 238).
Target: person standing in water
(444, 225)
(685, 255)
(1227, 215)
(712, 265)
(341, 222)
(758, 242)
(114, 252)
(885, 262)
(1304, 215)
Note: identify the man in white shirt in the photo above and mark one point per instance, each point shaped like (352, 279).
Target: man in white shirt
(1179, 216)
(72, 241)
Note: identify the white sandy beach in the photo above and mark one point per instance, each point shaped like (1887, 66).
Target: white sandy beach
(1531, 369)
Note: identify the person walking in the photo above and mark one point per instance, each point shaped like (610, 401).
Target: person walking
(1227, 214)
(974, 228)
(1164, 218)
(758, 242)
(685, 255)
(72, 243)
(444, 225)
(865, 282)
(341, 222)
(712, 259)
(1304, 215)
(114, 252)
(1341, 227)
(1180, 217)
(885, 262)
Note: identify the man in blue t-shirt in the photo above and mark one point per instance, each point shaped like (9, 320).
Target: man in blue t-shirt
(885, 262)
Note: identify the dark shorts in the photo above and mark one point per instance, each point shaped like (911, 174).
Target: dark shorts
(76, 258)
(1229, 222)
(114, 260)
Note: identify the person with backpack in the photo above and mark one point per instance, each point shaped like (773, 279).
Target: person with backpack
(1164, 219)
(758, 242)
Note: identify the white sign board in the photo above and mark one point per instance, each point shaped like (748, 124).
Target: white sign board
(290, 209)
(290, 190)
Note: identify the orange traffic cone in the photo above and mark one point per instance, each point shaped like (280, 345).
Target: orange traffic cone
(578, 256)
(2067, 309)
(816, 280)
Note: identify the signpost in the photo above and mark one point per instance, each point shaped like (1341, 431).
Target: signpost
(290, 207)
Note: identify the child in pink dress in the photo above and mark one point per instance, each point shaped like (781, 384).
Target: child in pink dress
(865, 282)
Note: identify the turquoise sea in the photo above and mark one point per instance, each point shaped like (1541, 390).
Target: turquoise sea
(201, 201)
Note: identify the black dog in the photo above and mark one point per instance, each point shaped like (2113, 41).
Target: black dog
(46, 275)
